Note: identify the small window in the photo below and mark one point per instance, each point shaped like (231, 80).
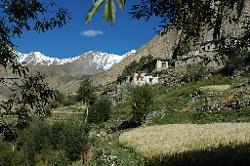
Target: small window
(150, 80)
(163, 64)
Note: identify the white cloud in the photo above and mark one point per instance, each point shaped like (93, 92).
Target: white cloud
(91, 33)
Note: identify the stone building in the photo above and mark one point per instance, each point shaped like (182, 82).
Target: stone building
(161, 64)
(156, 65)
(143, 78)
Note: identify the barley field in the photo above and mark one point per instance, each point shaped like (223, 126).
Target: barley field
(174, 139)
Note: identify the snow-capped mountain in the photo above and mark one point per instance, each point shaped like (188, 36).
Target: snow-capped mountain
(106, 61)
(102, 60)
(64, 74)
(37, 58)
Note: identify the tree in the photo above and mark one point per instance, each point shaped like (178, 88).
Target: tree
(141, 101)
(28, 94)
(100, 111)
(235, 49)
(85, 94)
(135, 66)
(73, 138)
(109, 9)
(180, 14)
(25, 15)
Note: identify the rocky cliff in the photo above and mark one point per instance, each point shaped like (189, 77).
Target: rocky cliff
(163, 46)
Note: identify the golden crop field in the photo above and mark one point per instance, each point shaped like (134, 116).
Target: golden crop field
(178, 138)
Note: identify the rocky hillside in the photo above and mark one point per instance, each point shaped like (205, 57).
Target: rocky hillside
(163, 46)
(64, 74)
(160, 46)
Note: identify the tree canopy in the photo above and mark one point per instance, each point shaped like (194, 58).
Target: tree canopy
(109, 14)
(85, 92)
(28, 94)
(183, 13)
(176, 13)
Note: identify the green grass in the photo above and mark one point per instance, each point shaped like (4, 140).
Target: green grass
(180, 108)
(111, 147)
(203, 117)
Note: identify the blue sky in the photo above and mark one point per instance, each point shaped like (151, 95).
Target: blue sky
(77, 37)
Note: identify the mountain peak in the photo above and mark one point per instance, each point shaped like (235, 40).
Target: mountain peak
(102, 60)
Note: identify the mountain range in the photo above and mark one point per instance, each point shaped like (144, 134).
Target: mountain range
(65, 73)
(102, 60)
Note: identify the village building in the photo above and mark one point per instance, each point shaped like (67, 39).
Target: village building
(161, 64)
(143, 78)
(156, 65)
(148, 75)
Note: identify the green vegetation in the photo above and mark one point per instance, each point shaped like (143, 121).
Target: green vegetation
(28, 93)
(57, 143)
(100, 111)
(137, 66)
(111, 148)
(109, 10)
(141, 101)
(8, 156)
(178, 107)
(62, 100)
(64, 140)
(85, 94)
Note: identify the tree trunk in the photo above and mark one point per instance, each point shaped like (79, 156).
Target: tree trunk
(87, 112)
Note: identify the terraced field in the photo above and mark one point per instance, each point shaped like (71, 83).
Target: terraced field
(174, 139)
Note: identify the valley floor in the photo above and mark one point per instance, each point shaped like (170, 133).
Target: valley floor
(201, 123)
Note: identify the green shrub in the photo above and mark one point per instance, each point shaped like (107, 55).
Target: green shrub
(54, 104)
(73, 139)
(33, 139)
(54, 158)
(141, 101)
(69, 136)
(62, 100)
(100, 111)
(135, 66)
(8, 155)
(58, 100)
(69, 100)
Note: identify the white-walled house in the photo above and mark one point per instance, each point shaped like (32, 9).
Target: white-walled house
(143, 78)
(161, 64)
